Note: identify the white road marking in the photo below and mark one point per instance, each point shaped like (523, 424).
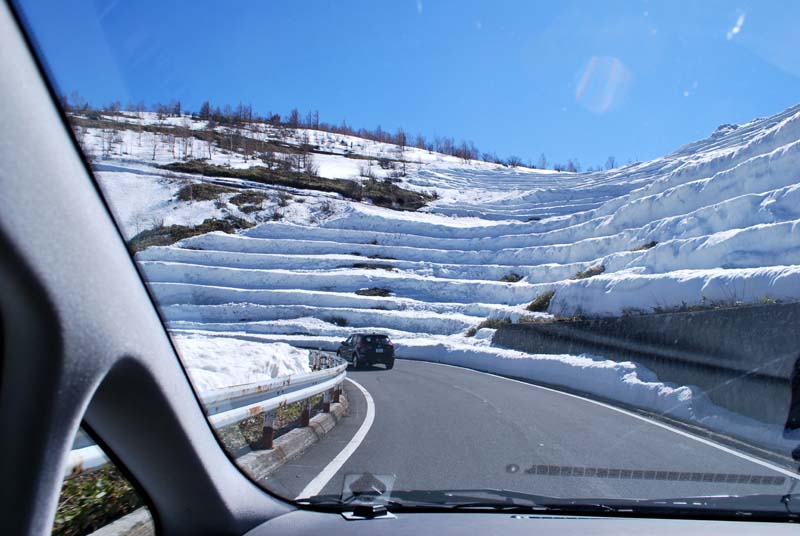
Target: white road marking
(319, 482)
(693, 437)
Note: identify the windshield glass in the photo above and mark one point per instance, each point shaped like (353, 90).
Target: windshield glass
(439, 252)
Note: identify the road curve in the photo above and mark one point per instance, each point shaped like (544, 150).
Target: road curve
(443, 427)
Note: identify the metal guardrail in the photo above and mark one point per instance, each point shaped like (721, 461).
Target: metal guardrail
(234, 404)
(221, 400)
(85, 460)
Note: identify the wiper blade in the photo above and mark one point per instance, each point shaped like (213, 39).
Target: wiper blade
(489, 499)
(336, 501)
(509, 500)
(771, 505)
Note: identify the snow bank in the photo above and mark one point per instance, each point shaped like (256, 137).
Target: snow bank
(215, 362)
(624, 382)
(422, 288)
(302, 262)
(198, 294)
(617, 293)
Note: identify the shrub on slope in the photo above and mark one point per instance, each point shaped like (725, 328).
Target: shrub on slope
(492, 323)
(375, 291)
(165, 235)
(381, 193)
(201, 191)
(542, 302)
(589, 272)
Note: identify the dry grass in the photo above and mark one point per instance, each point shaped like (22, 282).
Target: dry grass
(542, 302)
(589, 272)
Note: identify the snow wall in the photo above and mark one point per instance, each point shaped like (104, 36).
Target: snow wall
(741, 357)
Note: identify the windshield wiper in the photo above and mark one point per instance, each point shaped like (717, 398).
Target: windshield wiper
(350, 502)
(762, 505)
(501, 499)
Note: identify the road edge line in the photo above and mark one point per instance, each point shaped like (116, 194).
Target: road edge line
(321, 480)
(708, 442)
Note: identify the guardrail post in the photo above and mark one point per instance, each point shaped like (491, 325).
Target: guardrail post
(326, 401)
(305, 415)
(336, 392)
(269, 430)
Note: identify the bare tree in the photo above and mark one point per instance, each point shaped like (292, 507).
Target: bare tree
(79, 104)
(312, 120)
(611, 163)
(117, 141)
(401, 140)
(113, 109)
(542, 162)
(155, 141)
(311, 168)
(208, 136)
(244, 114)
(205, 111)
(514, 161)
(365, 170)
(105, 143)
(268, 157)
(294, 118)
(573, 165)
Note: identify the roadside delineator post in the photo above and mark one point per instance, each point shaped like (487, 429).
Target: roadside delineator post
(269, 430)
(326, 401)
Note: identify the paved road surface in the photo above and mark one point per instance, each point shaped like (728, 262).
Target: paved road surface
(442, 427)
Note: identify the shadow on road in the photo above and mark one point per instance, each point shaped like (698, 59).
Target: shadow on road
(368, 368)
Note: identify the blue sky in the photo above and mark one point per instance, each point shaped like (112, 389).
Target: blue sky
(633, 79)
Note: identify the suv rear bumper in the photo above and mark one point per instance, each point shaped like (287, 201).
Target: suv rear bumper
(373, 357)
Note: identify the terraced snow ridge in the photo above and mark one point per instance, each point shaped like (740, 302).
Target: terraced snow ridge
(716, 221)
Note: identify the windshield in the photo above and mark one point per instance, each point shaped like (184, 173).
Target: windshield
(461, 252)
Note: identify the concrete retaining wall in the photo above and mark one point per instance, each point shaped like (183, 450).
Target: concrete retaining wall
(742, 357)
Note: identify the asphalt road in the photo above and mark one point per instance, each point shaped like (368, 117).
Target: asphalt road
(441, 427)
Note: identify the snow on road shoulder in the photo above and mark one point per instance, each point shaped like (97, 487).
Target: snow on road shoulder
(624, 382)
(217, 362)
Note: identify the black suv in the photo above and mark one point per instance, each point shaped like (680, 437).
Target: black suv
(367, 349)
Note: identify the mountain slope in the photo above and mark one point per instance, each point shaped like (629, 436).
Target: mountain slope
(714, 223)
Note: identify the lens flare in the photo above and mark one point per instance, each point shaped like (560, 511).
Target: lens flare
(603, 84)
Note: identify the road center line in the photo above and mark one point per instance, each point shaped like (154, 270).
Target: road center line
(319, 482)
(688, 435)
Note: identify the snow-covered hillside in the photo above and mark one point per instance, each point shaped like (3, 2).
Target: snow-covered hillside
(717, 221)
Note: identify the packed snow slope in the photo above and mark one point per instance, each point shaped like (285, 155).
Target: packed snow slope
(715, 222)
